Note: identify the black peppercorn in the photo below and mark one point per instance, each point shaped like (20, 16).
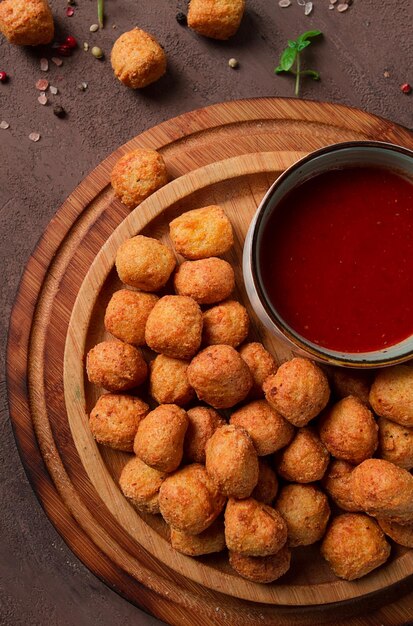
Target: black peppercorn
(181, 18)
(59, 111)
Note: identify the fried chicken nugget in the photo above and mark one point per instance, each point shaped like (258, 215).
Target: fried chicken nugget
(202, 233)
(354, 545)
(168, 382)
(391, 394)
(203, 422)
(189, 501)
(137, 59)
(207, 281)
(396, 443)
(26, 22)
(219, 376)
(261, 569)
(116, 366)
(140, 484)
(210, 540)
(306, 511)
(226, 323)
(384, 490)
(338, 484)
(144, 263)
(298, 390)
(261, 363)
(137, 175)
(218, 19)
(126, 315)
(253, 528)
(305, 459)
(232, 462)
(160, 438)
(267, 485)
(115, 418)
(349, 431)
(403, 535)
(174, 327)
(268, 430)
(345, 382)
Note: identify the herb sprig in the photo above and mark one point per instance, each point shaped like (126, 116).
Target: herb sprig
(291, 56)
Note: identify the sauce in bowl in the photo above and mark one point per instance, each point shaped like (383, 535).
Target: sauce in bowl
(336, 259)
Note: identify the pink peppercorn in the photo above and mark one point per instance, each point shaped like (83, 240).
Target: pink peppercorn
(3, 77)
(406, 88)
(70, 42)
(64, 50)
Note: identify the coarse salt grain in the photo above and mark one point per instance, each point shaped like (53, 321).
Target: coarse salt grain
(284, 3)
(34, 137)
(57, 61)
(44, 65)
(86, 46)
(42, 84)
(342, 7)
(53, 90)
(331, 7)
(70, 11)
(308, 8)
(333, 1)
(4, 125)
(42, 99)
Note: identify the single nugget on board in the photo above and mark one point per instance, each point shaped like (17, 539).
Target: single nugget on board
(189, 501)
(253, 528)
(226, 323)
(202, 233)
(207, 281)
(138, 174)
(140, 484)
(268, 430)
(160, 437)
(127, 313)
(267, 485)
(261, 569)
(346, 382)
(168, 382)
(203, 422)
(354, 545)
(218, 19)
(261, 363)
(116, 366)
(115, 418)
(305, 459)
(232, 462)
(298, 390)
(396, 443)
(26, 22)
(210, 540)
(338, 484)
(349, 431)
(306, 511)
(401, 534)
(174, 327)
(144, 263)
(391, 394)
(220, 377)
(137, 59)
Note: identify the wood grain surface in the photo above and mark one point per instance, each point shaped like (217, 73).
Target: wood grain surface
(60, 473)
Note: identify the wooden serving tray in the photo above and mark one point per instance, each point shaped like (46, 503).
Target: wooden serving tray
(227, 154)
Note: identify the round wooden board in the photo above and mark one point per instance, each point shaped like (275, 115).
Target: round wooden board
(74, 479)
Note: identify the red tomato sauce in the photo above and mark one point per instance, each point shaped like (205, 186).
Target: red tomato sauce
(336, 259)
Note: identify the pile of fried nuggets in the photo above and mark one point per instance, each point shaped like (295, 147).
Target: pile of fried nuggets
(214, 480)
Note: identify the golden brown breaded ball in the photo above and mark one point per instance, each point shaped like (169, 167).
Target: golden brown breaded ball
(345, 382)
(160, 437)
(174, 327)
(168, 382)
(298, 390)
(267, 485)
(202, 233)
(126, 315)
(338, 484)
(268, 430)
(137, 175)
(115, 418)
(253, 528)
(116, 366)
(226, 323)
(220, 377)
(26, 22)
(261, 569)
(396, 443)
(261, 363)
(203, 422)
(189, 501)
(305, 459)
(232, 462)
(306, 512)
(403, 535)
(144, 263)
(382, 489)
(349, 431)
(140, 484)
(137, 59)
(391, 394)
(218, 19)
(210, 540)
(207, 281)
(354, 545)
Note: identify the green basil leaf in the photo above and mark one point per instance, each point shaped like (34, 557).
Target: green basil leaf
(302, 45)
(308, 35)
(278, 70)
(292, 44)
(287, 59)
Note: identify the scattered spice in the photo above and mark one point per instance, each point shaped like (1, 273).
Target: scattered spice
(94, 28)
(181, 18)
(3, 77)
(4, 125)
(59, 111)
(44, 65)
(291, 55)
(42, 84)
(331, 7)
(308, 8)
(42, 99)
(386, 74)
(82, 86)
(97, 52)
(85, 46)
(233, 63)
(333, 1)
(284, 3)
(101, 12)
(53, 90)
(71, 3)
(342, 7)
(406, 88)
(57, 61)
(70, 11)
(34, 137)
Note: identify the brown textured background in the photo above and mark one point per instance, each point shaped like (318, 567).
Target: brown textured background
(41, 582)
